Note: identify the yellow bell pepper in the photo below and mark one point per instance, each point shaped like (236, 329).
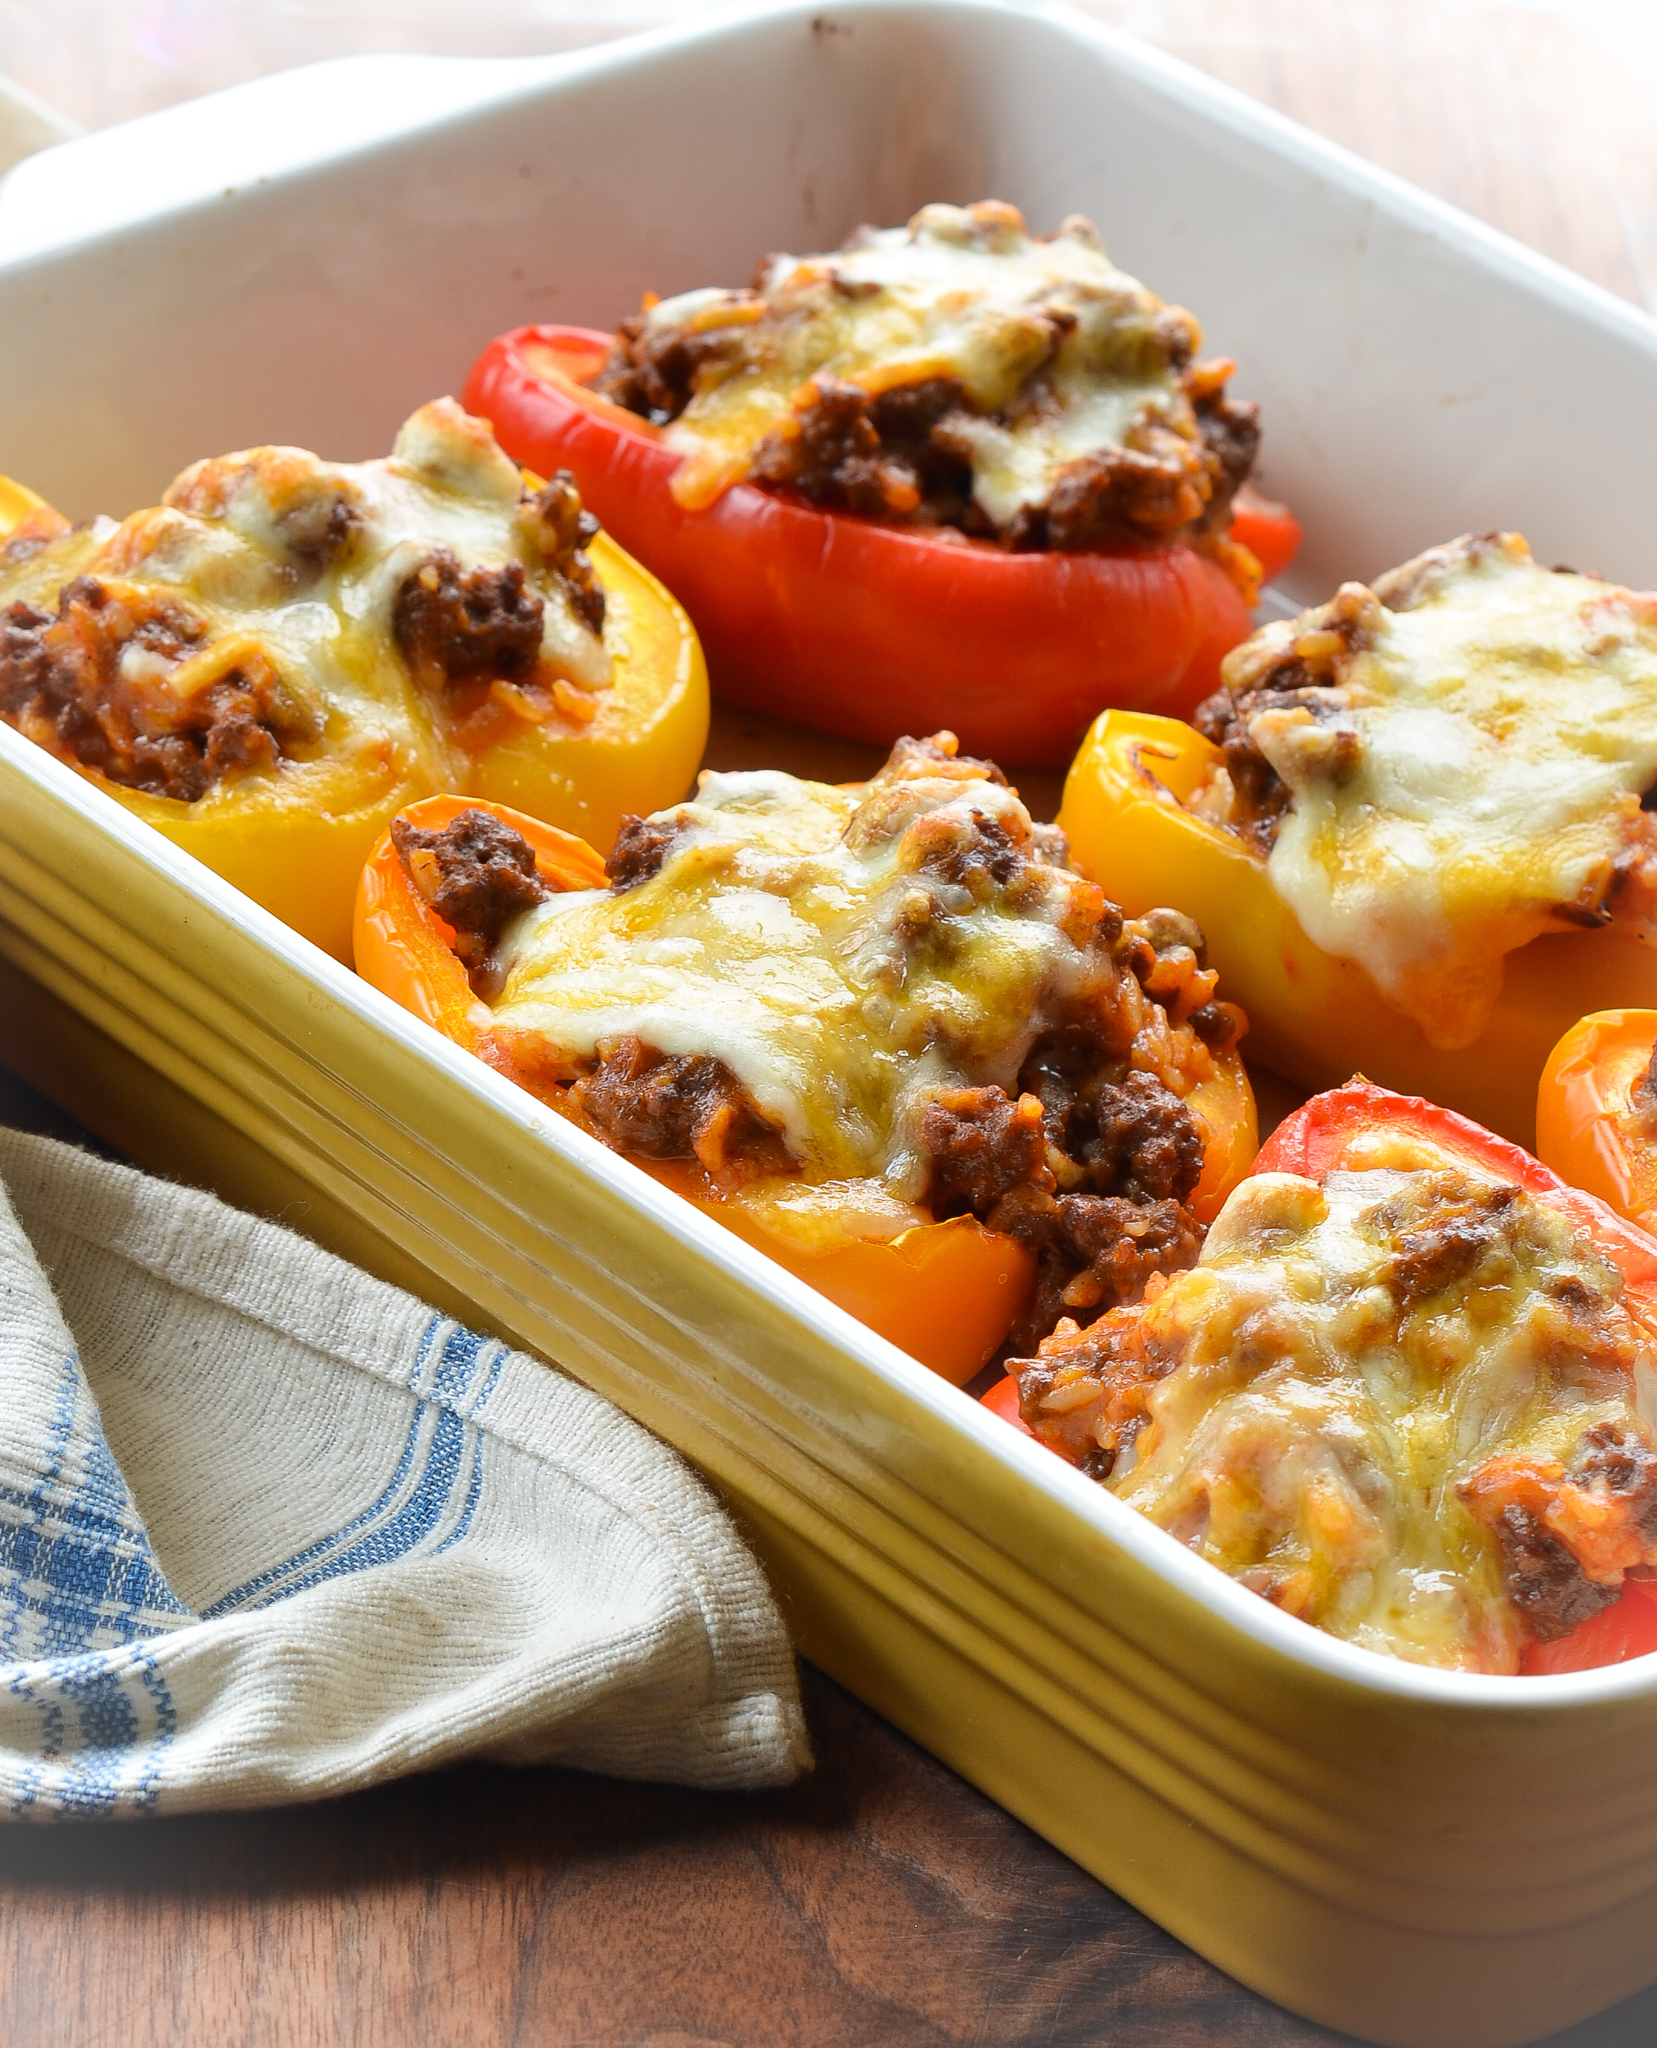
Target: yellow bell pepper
(300, 850)
(295, 841)
(1313, 1018)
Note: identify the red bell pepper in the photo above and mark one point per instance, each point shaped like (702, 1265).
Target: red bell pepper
(1320, 1137)
(1002, 1400)
(1360, 1126)
(1269, 531)
(868, 630)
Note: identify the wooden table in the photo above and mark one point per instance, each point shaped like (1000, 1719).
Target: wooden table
(881, 1903)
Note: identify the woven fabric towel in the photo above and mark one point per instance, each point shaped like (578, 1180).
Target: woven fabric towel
(270, 1529)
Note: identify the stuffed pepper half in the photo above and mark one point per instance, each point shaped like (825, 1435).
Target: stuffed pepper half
(1413, 823)
(951, 473)
(271, 662)
(881, 1031)
(1407, 1394)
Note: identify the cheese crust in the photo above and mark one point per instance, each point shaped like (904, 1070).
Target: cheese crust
(1410, 1405)
(955, 372)
(895, 993)
(349, 625)
(1442, 767)
(846, 951)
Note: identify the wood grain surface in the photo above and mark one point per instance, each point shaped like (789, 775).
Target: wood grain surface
(882, 1903)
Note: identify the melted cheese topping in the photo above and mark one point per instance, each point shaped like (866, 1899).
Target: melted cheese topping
(1507, 723)
(1311, 1435)
(243, 540)
(1060, 353)
(798, 933)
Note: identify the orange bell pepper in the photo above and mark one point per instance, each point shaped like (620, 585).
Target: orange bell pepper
(947, 1293)
(17, 501)
(1587, 1127)
(1226, 1105)
(295, 841)
(1314, 1018)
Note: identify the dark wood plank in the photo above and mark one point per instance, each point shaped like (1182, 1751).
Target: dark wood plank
(880, 1903)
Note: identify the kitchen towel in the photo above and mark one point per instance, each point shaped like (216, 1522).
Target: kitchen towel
(270, 1529)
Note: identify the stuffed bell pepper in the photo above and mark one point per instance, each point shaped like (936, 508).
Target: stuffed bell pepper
(1413, 822)
(951, 474)
(880, 1031)
(1407, 1394)
(284, 652)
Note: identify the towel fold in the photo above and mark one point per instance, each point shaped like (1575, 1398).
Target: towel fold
(270, 1530)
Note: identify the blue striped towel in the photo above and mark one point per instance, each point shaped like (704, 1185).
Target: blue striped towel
(270, 1529)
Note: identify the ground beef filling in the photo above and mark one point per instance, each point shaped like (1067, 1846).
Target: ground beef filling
(642, 845)
(912, 756)
(1260, 797)
(980, 1145)
(1094, 1253)
(900, 455)
(467, 627)
(1102, 1370)
(1302, 675)
(1542, 1578)
(563, 531)
(652, 371)
(687, 1106)
(976, 853)
(1553, 1587)
(1164, 488)
(888, 456)
(104, 684)
(478, 874)
(459, 625)
(1299, 671)
(1086, 1394)
(1129, 1135)
(1129, 1153)
(1089, 1162)
(319, 529)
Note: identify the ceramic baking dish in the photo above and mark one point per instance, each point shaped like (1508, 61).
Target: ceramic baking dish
(1413, 1856)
